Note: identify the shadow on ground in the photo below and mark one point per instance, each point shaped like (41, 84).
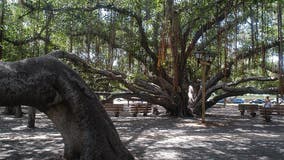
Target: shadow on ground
(226, 135)
(19, 142)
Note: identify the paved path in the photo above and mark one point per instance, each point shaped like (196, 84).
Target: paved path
(226, 135)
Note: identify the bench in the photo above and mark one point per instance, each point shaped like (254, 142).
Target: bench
(140, 108)
(251, 108)
(274, 110)
(278, 109)
(113, 108)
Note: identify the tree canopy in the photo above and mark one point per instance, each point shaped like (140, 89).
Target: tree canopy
(147, 48)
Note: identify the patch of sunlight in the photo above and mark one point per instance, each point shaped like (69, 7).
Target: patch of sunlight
(169, 154)
(6, 145)
(259, 125)
(19, 128)
(181, 141)
(170, 132)
(20, 137)
(128, 138)
(142, 138)
(242, 130)
(222, 137)
(5, 134)
(5, 154)
(121, 127)
(54, 134)
(190, 125)
(165, 154)
(47, 149)
(8, 118)
(263, 158)
(241, 148)
(178, 139)
(217, 151)
(264, 135)
(5, 139)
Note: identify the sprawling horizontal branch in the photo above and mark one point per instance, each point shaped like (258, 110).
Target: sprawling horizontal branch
(244, 90)
(230, 90)
(130, 96)
(241, 91)
(104, 36)
(80, 62)
(258, 79)
(244, 80)
(146, 90)
(27, 40)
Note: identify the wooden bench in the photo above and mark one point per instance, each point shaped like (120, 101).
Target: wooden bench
(251, 108)
(140, 108)
(113, 108)
(279, 109)
(274, 110)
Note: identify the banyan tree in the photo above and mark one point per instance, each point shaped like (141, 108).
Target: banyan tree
(147, 49)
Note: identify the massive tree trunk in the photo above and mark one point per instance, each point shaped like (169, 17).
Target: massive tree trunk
(53, 88)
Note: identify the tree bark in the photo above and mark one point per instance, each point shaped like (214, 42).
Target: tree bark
(14, 110)
(9, 110)
(31, 117)
(18, 111)
(53, 88)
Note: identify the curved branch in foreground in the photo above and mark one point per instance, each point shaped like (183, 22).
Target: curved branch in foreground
(53, 88)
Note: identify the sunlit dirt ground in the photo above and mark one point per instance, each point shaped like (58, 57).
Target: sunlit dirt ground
(226, 135)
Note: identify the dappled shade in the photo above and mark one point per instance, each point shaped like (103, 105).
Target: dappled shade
(50, 86)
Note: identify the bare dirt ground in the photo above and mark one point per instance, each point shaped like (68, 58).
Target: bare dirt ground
(226, 135)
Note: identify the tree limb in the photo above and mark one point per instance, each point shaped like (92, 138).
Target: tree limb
(147, 91)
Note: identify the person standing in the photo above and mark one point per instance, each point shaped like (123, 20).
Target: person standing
(267, 111)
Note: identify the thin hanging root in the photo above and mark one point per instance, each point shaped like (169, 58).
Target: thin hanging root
(280, 49)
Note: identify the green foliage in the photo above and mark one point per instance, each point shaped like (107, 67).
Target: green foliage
(111, 39)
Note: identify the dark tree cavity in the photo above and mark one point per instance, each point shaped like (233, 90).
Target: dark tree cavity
(53, 88)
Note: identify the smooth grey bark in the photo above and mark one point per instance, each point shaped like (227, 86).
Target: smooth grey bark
(53, 88)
